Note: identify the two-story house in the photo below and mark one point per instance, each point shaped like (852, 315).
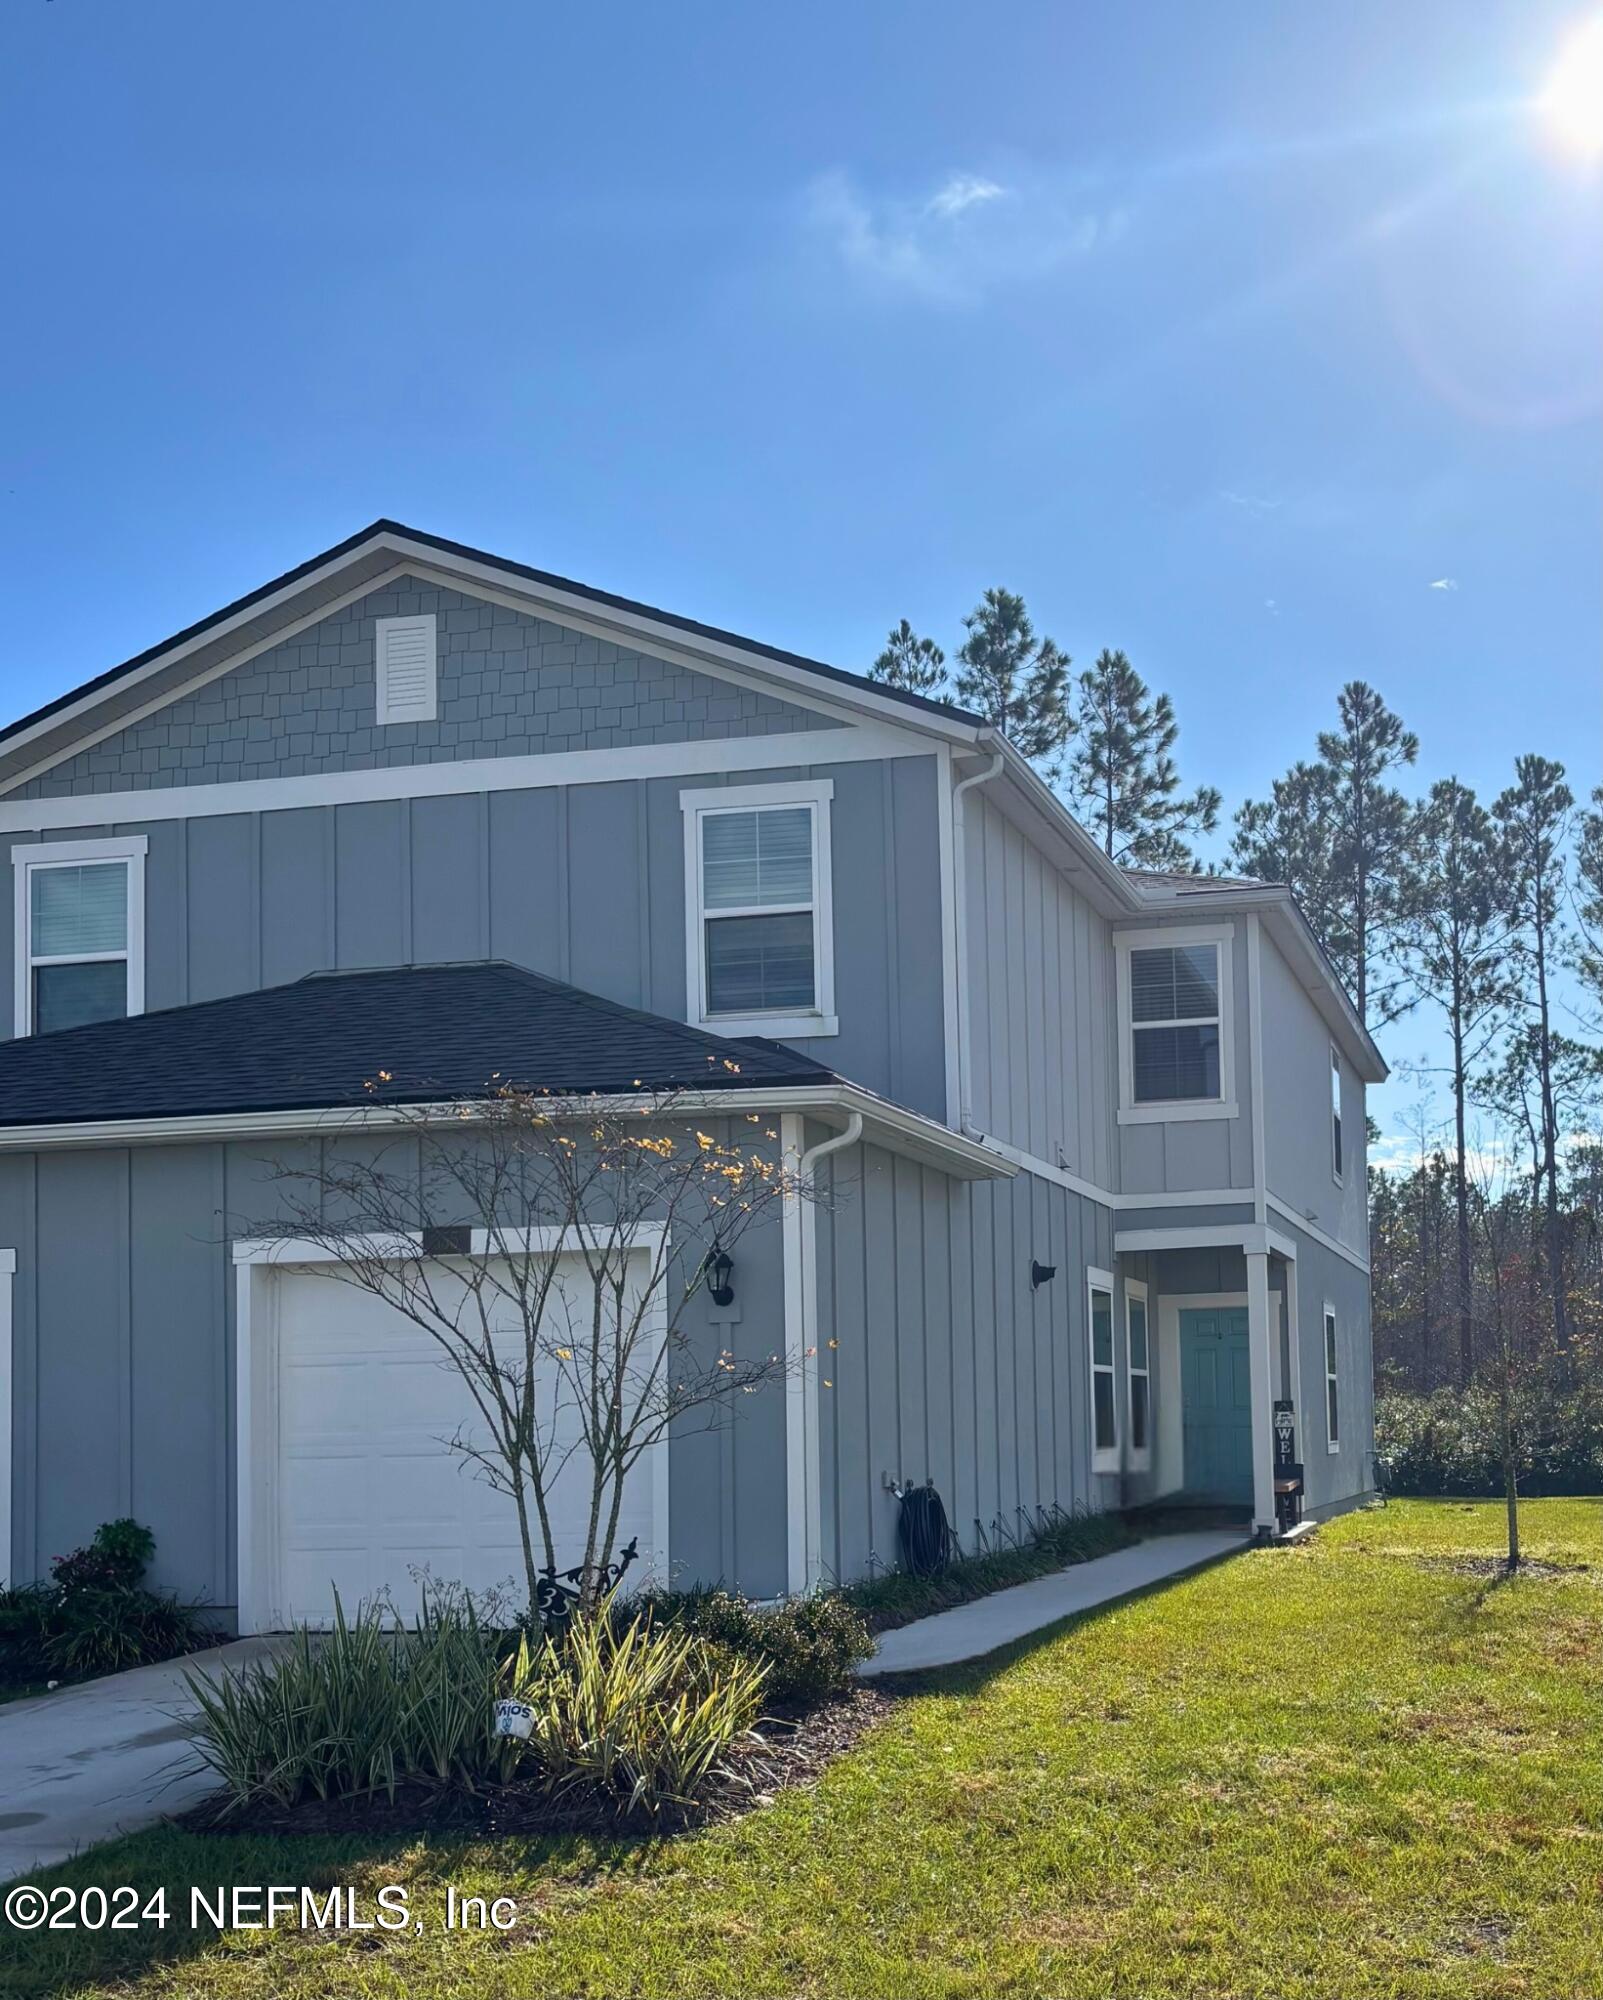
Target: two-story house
(1090, 1145)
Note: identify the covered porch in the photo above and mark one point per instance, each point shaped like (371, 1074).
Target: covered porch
(1213, 1309)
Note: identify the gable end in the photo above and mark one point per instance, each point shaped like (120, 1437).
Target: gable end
(504, 684)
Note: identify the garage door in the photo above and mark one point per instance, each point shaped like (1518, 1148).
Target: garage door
(371, 1498)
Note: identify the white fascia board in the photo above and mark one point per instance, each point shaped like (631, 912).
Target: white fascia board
(128, 718)
(885, 1124)
(88, 702)
(648, 634)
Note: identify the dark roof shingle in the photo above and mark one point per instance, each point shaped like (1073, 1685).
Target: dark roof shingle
(440, 1032)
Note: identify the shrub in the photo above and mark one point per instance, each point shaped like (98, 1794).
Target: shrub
(360, 1708)
(642, 1717)
(1451, 1442)
(102, 1631)
(24, 1626)
(642, 1712)
(809, 1645)
(94, 1616)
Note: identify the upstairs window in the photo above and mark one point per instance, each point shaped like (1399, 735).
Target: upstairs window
(1174, 1009)
(759, 946)
(79, 933)
(1335, 1115)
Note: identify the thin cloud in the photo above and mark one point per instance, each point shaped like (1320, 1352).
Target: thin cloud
(1445, 583)
(963, 191)
(1251, 503)
(956, 242)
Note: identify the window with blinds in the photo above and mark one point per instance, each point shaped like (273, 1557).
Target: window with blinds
(77, 944)
(759, 910)
(1175, 1023)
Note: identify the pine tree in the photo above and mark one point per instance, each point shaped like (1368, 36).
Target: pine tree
(1458, 956)
(1357, 852)
(909, 662)
(1018, 683)
(1123, 778)
(1371, 840)
(1290, 838)
(1589, 871)
(1534, 814)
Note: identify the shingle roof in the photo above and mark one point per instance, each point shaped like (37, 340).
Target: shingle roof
(441, 1032)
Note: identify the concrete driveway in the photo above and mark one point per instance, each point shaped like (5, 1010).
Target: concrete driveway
(86, 1763)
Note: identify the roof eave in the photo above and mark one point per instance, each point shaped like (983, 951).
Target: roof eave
(889, 1125)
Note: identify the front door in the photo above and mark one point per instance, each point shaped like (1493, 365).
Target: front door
(1216, 1382)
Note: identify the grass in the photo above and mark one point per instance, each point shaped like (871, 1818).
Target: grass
(1330, 1769)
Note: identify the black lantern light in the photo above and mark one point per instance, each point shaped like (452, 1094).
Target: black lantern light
(718, 1268)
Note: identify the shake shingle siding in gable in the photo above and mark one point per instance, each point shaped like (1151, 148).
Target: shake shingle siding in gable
(509, 685)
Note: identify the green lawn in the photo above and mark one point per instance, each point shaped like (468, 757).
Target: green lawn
(1338, 1769)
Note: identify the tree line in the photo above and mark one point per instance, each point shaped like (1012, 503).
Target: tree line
(1486, 915)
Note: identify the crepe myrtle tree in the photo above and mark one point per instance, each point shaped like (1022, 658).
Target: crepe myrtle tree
(578, 1363)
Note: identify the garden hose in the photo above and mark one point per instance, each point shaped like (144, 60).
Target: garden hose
(924, 1537)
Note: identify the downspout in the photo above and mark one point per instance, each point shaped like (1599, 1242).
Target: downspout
(965, 1058)
(848, 1137)
(802, 1436)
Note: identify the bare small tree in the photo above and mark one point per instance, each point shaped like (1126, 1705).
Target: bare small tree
(1513, 1293)
(551, 1248)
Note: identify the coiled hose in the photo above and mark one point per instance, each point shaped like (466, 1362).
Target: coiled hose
(924, 1538)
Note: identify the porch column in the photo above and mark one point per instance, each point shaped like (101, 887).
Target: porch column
(1261, 1341)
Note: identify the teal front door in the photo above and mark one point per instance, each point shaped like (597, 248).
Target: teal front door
(1216, 1385)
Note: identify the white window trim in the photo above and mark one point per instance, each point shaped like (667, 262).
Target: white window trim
(1103, 1458)
(1222, 1106)
(25, 862)
(427, 710)
(1139, 1459)
(1337, 1117)
(1328, 1326)
(696, 807)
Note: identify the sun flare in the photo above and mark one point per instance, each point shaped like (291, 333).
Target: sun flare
(1572, 104)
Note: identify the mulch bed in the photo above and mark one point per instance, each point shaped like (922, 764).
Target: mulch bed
(1496, 1567)
(786, 1751)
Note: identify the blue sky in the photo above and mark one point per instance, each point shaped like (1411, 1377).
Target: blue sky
(1261, 341)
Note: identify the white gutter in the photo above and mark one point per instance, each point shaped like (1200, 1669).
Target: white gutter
(965, 1059)
(902, 1130)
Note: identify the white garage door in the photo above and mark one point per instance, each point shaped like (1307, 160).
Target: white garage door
(371, 1497)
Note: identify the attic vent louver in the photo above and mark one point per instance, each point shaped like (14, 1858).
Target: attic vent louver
(405, 663)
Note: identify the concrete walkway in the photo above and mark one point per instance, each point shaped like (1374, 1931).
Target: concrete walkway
(86, 1763)
(970, 1631)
